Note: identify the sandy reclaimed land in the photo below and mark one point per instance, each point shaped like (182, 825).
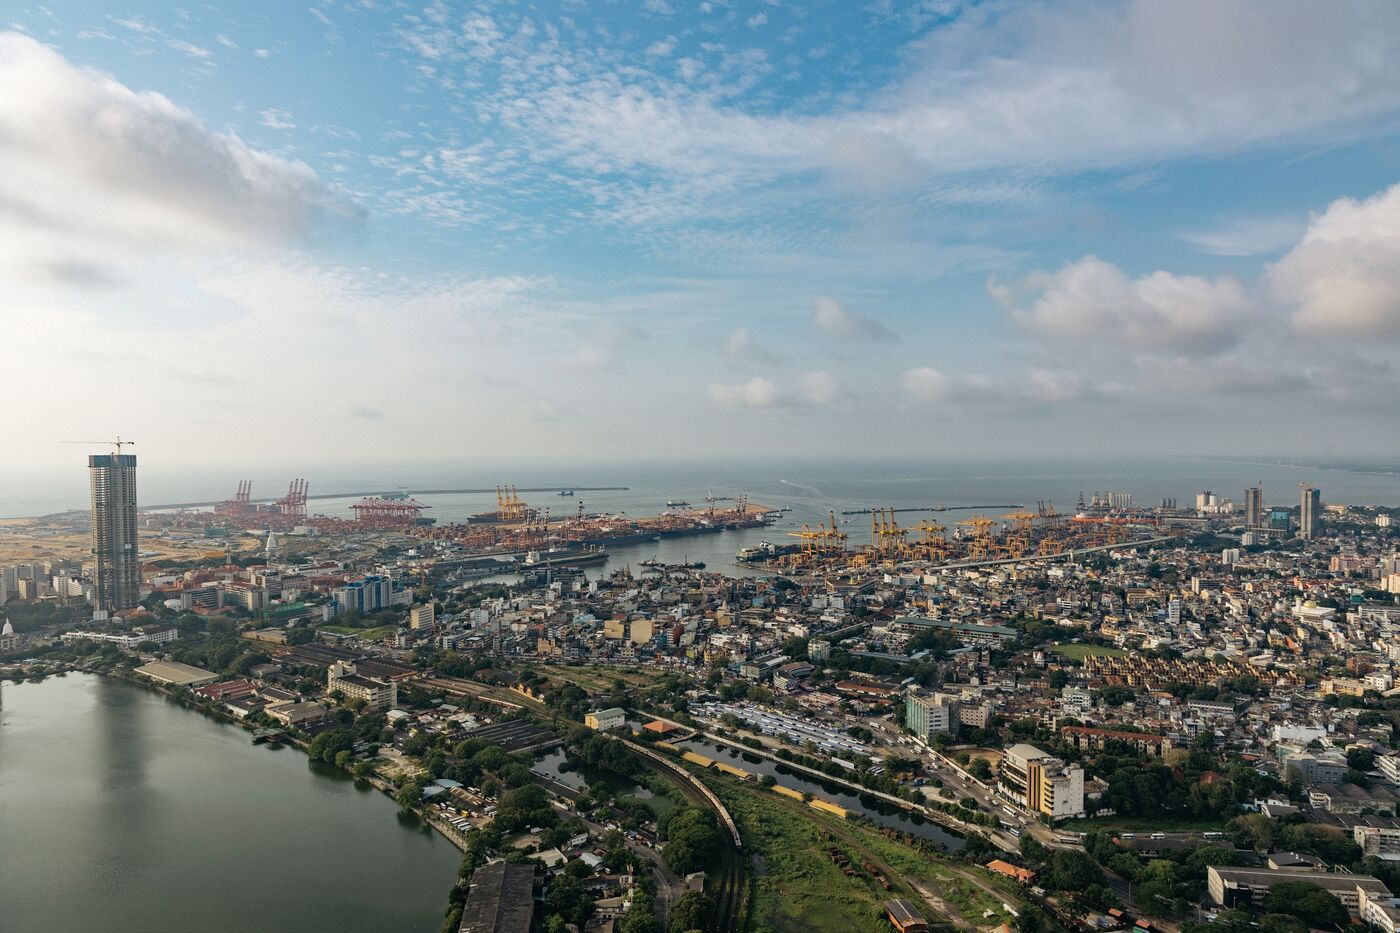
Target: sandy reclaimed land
(64, 538)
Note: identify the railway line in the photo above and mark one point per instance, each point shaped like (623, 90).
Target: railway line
(729, 892)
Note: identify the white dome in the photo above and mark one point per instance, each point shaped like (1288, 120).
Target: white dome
(8, 629)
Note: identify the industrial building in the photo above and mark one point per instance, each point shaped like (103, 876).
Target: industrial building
(501, 900)
(905, 917)
(177, 674)
(116, 561)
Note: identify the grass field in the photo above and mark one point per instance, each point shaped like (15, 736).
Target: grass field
(369, 634)
(1080, 652)
(798, 887)
(795, 885)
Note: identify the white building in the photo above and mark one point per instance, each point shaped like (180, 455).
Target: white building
(605, 720)
(377, 694)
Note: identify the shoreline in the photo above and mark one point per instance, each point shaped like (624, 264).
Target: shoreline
(378, 783)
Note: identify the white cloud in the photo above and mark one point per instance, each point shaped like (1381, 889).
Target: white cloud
(820, 387)
(661, 47)
(1250, 236)
(1344, 277)
(756, 393)
(1039, 387)
(836, 320)
(739, 342)
(86, 160)
(1051, 88)
(1094, 302)
(276, 119)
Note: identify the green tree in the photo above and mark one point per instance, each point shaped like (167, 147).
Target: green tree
(1306, 901)
(691, 912)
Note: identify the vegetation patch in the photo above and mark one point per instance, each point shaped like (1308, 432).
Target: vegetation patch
(1078, 652)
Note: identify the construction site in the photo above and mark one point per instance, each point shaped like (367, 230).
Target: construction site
(1018, 535)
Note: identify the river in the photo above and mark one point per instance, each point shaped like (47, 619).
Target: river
(123, 811)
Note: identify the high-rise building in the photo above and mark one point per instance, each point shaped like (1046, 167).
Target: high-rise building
(1310, 512)
(1254, 506)
(929, 714)
(117, 561)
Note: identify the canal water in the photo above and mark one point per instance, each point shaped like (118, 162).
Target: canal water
(879, 812)
(555, 764)
(122, 811)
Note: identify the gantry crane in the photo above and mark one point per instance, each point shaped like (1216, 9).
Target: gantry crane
(980, 547)
(933, 540)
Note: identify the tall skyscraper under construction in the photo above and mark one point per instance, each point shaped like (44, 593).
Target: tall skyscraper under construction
(1254, 506)
(1310, 512)
(114, 551)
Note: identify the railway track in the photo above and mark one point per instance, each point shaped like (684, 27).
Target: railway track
(728, 894)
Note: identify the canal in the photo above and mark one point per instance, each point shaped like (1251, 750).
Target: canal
(123, 811)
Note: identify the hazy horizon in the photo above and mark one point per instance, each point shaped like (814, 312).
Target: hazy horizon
(617, 231)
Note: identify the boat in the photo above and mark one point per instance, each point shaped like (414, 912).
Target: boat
(537, 560)
(677, 504)
(566, 492)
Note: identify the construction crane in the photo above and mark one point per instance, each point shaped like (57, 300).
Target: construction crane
(118, 443)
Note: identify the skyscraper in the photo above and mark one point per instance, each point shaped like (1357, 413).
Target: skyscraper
(114, 531)
(1310, 512)
(1254, 506)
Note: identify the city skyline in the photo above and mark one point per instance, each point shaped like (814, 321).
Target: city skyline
(675, 229)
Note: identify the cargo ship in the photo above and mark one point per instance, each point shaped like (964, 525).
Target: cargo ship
(539, 560)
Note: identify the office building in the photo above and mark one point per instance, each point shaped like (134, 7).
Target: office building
(421, 616)
(1310, 512)
(1254, 506)
(1042, 783)
(377, 694)
(1239, 887)
(115, 557)
(605, 719)
(927, 714)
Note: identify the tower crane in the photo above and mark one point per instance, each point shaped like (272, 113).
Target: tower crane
(118, 443)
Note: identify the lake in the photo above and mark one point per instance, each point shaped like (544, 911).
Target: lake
(123, 811)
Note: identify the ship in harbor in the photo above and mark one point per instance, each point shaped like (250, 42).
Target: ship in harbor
(677, 504)
(562, 557)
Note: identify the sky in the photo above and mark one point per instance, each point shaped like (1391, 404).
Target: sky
(644, 229)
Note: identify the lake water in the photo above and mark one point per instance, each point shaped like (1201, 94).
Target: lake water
(123, 811)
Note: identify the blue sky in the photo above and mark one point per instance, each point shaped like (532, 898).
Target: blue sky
(667, 228)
